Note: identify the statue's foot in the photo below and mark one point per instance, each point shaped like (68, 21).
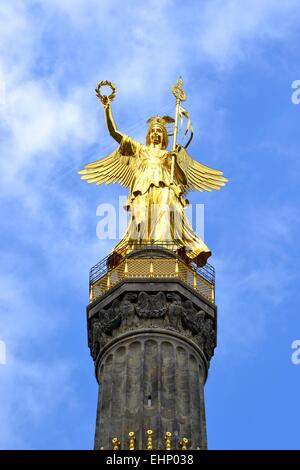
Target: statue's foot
(202, 258)
(113, 260)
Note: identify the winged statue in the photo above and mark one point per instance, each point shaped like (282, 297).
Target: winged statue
(157, 181)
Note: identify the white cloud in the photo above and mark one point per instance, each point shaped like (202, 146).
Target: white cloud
(231, 29)
(30, 391)
(50, 120)
(19, 41)
(255, 275)
(32, 386)
(39, 122)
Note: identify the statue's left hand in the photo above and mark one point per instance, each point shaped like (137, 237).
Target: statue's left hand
(173, 153)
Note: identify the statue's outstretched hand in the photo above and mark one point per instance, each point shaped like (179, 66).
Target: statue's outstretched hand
(105, 101)
(174, 153)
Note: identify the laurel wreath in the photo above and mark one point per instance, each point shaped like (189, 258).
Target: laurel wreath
(103, 98)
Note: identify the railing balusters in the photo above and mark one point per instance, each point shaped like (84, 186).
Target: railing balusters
(203, 278)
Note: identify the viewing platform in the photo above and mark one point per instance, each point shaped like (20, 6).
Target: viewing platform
(148, 261)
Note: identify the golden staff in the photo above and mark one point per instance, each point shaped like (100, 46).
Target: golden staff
(180, 96)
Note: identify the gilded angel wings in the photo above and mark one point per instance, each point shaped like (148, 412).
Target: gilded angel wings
(117, 168)
(198, 176)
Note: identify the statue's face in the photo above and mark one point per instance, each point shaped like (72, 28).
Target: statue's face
(156, 136)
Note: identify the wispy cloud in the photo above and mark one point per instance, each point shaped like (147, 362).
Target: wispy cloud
(33, 381)
(256, 275)
(233, 30)
(31, 390)
(52, 53)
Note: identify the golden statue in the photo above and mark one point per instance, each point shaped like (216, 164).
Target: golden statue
(158, 181)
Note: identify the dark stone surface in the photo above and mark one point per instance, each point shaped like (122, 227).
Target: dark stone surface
(150, 380)
(151, 340)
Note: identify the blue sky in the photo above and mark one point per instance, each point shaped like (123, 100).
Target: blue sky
(238, 60)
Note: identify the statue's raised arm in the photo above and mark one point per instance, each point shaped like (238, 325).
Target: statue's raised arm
(111, 125)
(115, 167)
(106, 100)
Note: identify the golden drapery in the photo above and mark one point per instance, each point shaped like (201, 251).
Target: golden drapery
(155, 202)
(155, 205)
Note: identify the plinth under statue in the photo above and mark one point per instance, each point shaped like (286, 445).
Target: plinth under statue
(152, 316)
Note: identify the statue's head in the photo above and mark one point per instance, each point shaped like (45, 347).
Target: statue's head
(157, 132)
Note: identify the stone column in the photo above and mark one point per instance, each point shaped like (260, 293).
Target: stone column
(151, 343)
